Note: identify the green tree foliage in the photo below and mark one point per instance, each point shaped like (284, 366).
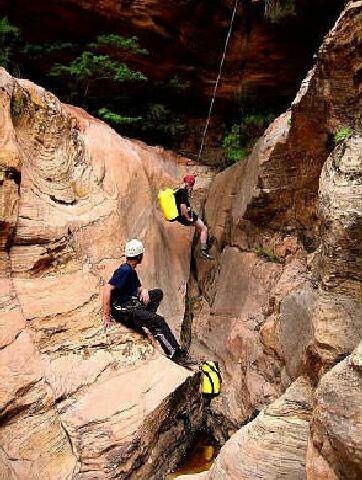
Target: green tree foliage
(33, 51)
(176, 84)
(159, 118)
(342, 135)
(232, 144)
(97, 67)
(10, 37)
(127, 44)
(238, 142)
(276, 10)
(98, 77)
(116, 118)
(266, 255)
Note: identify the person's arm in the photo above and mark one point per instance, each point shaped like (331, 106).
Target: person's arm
(143, 294)
(106, 304)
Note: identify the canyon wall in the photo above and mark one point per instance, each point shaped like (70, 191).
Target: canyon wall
(261, 53)
(281, 305)
(77, 402)
(265, 61)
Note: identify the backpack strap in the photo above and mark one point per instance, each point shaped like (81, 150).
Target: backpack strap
(210, 380)
(214, 369)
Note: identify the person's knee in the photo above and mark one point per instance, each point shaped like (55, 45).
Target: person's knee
(202, 226)
(158, 323)
(157, 294)
(199, 225)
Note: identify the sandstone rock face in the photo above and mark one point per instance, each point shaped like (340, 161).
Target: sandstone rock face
(334, 449)
(288, 219)
(259, 450)
(187, 39)
(340, 209)
(76, 402)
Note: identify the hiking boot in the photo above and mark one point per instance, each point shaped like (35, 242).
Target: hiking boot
(183, 358)
(205, 255)
(211, 240)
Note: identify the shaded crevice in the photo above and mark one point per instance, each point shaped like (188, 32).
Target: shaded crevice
(62, 202)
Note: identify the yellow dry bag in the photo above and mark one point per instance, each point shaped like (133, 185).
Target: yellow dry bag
(168, 203)
(211, 379)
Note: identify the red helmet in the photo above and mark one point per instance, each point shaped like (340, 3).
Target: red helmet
(189, 179)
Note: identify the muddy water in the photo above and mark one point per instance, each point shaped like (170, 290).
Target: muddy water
(199, 459)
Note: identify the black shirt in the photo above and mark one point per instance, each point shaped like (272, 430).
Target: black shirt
(126, 282)
(182, 196)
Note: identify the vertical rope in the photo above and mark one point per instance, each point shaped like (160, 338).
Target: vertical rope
(218, 79)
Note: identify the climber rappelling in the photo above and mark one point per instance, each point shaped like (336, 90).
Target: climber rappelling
(130, 303)
(176, 207)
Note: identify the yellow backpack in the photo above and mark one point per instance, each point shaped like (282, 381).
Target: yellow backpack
(168, 203)
(211, 379)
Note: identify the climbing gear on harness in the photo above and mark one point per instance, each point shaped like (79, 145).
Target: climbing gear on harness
(129, 306)
(217, 80)
(211, 379)
(126, 311)
(168, 203)
(133, 248)
(189, 179)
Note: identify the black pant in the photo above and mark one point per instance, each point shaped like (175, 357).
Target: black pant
(181, 219)
(154, 323)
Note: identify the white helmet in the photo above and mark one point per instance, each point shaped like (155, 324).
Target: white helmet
(133, 248)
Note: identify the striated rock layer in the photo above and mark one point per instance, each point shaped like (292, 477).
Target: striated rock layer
(75, 402)
(284, 293)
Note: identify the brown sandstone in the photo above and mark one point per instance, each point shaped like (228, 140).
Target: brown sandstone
(76, 402)
(293, 208)
(260, 450)
(275, 323)
(334, 449)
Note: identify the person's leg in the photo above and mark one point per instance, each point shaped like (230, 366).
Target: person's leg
(159, 329)
(202, 229)
(128, 321)
(156, 297)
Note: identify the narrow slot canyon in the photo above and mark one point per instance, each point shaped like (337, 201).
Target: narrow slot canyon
(277, 304)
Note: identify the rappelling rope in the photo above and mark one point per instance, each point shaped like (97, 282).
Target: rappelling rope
(218, 79)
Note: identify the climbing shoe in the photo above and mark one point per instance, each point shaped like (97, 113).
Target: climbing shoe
(183, 358)
(205, 255)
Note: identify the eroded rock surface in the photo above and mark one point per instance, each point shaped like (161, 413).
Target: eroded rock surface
(76, 402)
(272, 446)
(287, 219)
(334, 449)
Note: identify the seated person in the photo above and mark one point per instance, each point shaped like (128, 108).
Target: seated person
(125, 286)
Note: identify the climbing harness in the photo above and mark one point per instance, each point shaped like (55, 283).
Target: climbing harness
(128, 307)
(168, 203)
(218, 79)
(210, 379)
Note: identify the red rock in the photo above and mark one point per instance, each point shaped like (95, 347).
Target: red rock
(78, 194)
